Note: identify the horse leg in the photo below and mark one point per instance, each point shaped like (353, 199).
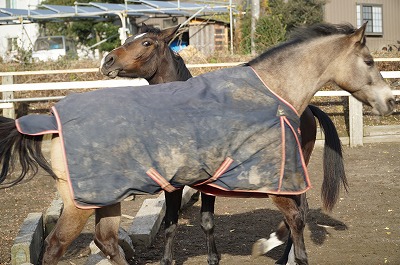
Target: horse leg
(308, 127)
(295, 210)
(72, 219)
(106, 232)
(208, 225)
(173, 202)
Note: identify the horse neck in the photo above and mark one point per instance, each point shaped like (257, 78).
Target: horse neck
(170, 67)
(297, 72)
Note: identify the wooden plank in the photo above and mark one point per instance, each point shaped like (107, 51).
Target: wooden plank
(381, 130)
(355, 122)
(382, 139)
(8, 112)
(74, 85)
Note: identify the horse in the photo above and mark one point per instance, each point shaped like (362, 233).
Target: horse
(291, 73)
(147, 55)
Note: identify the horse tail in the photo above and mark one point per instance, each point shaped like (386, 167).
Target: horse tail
(334, 174)
(22, 150)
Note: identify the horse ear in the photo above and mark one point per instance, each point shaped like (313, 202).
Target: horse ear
(144, 28)
(168, 34)
(359, 35)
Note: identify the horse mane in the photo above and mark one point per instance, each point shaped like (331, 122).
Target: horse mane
(320, 30)
(305, 34)
(182, 70)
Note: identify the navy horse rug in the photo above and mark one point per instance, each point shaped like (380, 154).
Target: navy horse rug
(224, 130)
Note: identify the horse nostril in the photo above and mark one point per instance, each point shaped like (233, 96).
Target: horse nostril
(109, 61)
(391, 103)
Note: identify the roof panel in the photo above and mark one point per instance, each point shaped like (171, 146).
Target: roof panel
(14, 12)
(95, 10)
(42, 12)
(60, 9)
(108, 7)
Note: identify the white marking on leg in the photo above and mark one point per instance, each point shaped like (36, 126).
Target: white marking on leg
(272, 242)
(291, 260)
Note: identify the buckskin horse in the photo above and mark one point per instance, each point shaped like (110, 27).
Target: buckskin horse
(147, 55)
(230, 132)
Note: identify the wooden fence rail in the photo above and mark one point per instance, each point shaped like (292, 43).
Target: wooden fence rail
(357, 136)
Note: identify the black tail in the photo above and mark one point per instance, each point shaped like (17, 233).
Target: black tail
(334, 173)
(17, 149)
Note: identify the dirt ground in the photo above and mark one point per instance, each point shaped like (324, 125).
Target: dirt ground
(364, 228)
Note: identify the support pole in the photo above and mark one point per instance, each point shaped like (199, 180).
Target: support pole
(255, 15)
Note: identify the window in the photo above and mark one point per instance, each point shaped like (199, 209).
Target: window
(372, 14)
(12, 44)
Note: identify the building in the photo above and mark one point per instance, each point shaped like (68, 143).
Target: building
(20, 34)
(383, 18)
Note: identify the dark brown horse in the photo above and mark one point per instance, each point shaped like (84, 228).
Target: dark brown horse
(321, 54)
(147, 55)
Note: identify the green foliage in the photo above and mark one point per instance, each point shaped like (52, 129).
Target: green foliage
(22, 56)
(269, 32)
(245, 43)
(110, 32)
(277, 18)
(298, 12)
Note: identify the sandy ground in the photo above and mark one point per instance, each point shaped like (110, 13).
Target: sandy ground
(364, 228)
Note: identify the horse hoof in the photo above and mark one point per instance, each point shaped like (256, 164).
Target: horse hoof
(165, 262)
(214, 261)
(259, 247)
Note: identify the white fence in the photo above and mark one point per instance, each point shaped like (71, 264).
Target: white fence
(357, 133)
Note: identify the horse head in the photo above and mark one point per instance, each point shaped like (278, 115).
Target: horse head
(140, 55)
(359, 75)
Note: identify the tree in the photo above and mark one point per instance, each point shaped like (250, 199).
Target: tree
(269, 32)
(278, 18)
(84, 31)
(296, 13)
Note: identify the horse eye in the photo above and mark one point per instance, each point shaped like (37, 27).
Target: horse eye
(369, 62)
(146, 43)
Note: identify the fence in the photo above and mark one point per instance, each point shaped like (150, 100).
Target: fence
(357, 133)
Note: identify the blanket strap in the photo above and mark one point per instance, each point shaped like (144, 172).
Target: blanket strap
(164, 184)
(219, 172)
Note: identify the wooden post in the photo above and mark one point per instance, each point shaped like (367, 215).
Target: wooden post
(8, 112)
(355, 122)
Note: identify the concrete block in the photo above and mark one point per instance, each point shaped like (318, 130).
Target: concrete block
(147, 221)
(125, 242)
(29, 242)
(52, 215)
(188, 195)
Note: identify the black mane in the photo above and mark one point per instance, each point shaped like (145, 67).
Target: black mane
(304, 34)
(321, 30)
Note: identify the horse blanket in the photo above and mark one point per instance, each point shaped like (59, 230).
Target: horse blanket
(225, 129)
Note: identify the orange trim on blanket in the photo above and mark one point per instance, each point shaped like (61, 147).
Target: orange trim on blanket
(164, 184)
(303, 162)
(66, 162)
(219, 172)
(231, 193)
(282, 99)
(283, 157)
